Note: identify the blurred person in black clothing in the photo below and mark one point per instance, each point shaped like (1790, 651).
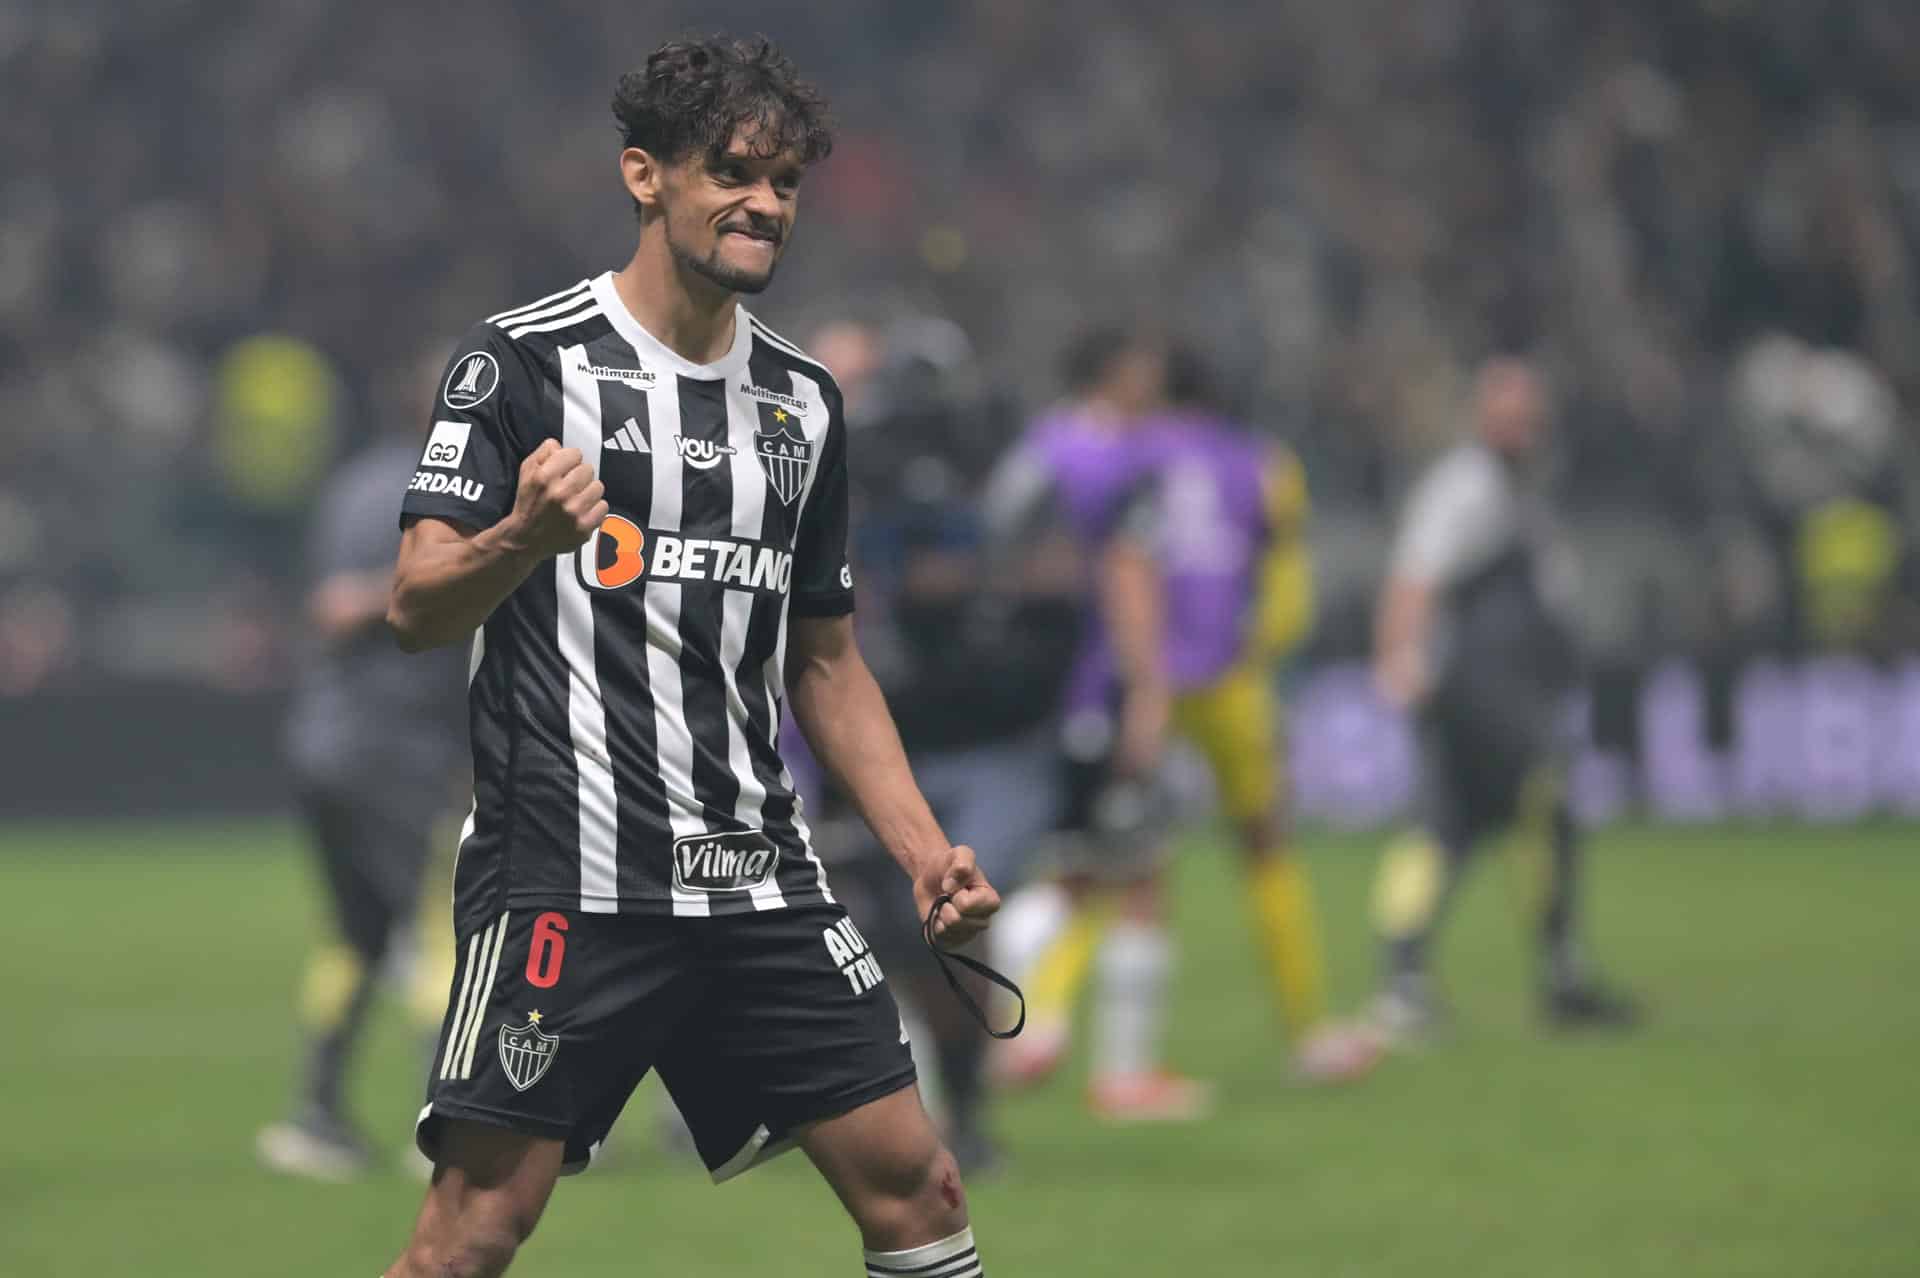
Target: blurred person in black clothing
(376, 742)
(971, 623)
(1472, 640)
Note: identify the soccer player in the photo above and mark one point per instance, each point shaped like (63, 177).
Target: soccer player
(376, 746)
(634, 504)
(1471, 640)
(1204, 585)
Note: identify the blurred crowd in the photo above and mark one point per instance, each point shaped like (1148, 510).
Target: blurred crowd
(230, 234)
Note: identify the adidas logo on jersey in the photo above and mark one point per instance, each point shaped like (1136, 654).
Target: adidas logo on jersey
(628, 439)
(452, 485)
(702, 454)
(733, 861)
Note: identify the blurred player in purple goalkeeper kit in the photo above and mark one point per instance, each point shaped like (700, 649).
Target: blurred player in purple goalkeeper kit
(1204, 582)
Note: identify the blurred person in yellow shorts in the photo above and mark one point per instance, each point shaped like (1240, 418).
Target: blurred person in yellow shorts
(1204, 583)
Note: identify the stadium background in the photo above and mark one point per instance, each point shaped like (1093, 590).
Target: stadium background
(228, 234)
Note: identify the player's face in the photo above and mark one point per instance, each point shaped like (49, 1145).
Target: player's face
(728, 216)
(1513, 411)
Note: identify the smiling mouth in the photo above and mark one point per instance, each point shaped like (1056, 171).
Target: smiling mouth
(759, 237)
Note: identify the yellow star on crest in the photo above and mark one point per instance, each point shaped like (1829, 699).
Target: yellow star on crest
(780, 415)
(533, 1017)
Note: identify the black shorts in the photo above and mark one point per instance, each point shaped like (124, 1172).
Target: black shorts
(1107, 824)
(374, 856)
(758, 1023)
(1478, 746)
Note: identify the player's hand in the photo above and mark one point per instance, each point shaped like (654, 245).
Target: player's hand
(974, 900)
(559, 502)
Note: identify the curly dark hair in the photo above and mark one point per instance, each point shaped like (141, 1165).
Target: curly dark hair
(694, 95)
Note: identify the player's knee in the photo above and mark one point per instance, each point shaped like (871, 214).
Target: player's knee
(480, 1244)
(915, 1196)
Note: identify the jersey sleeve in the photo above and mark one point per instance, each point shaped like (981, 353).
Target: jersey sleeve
(1455, 521)
(822, 576)
(485, 422)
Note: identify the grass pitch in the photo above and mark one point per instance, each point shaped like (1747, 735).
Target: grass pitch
(1762, 1124)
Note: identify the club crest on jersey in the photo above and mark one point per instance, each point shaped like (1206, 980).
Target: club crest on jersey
(701, 454)
(785, 457)
(730, 861)
(473, 378)
(526, 1053)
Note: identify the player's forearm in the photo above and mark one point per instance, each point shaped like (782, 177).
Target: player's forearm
(841, 710)
(1404, 618)
(1134, 612)
(444, 590)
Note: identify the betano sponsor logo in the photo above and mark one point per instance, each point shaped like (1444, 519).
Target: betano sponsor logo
(730, 861)
(622, 553)
(426, 481)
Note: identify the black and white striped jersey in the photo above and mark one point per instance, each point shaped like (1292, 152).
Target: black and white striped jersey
(626, 699)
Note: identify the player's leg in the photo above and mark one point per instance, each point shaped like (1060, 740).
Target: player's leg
(1544, 848)
(1131, 1081)
(899, 1184)
(490, 1185)
(1233, 722)
(356, 846)
(799, 1045)
(1420, 872)
(1049, 931)
(553, 1017)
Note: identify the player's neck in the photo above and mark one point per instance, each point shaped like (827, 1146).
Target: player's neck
(685, 312)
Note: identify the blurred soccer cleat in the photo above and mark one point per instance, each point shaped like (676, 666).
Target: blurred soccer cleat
(1156, 1096)
(1406, 1017)
(1031, 1059)
(1338, 1053)
(1590, 1006)
(317, 1146)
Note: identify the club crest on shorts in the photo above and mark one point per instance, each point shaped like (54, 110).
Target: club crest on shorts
(785, 457)
(526, 1052)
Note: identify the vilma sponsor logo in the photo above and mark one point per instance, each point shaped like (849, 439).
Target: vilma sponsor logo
(702, 454)
(622, 553)
(526, 1053)
(731, 861)
(852, 955)
(447, 445)
(426, 481)
(473, 378)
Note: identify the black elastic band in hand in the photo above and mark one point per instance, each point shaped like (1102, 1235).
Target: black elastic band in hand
(946, 957)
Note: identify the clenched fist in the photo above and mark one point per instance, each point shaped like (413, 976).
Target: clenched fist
(559, 502)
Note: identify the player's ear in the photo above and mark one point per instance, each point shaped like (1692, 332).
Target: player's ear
(643, 175)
